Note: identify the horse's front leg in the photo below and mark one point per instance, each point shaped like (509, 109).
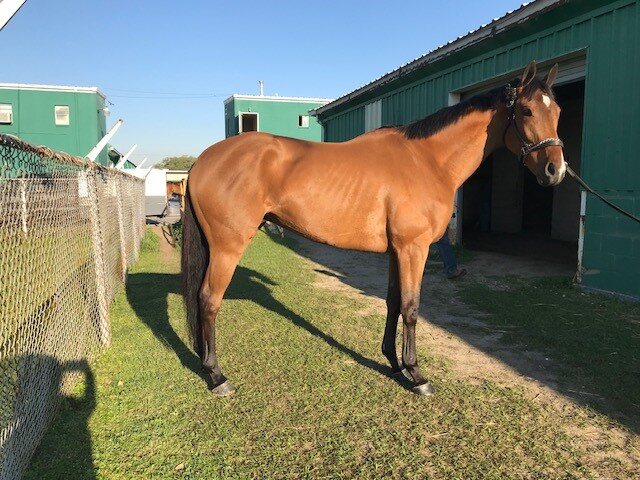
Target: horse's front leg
(411, 264)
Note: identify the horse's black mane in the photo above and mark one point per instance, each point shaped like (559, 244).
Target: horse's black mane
(449, 115)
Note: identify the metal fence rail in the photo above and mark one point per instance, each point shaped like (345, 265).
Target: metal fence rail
(68, 231)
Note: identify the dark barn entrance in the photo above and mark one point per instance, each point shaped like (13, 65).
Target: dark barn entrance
(505, 210)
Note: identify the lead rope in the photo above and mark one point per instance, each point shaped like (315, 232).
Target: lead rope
(527, 148)
(582, 183)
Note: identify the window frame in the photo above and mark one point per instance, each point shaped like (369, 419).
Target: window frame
(10, 110)
(257, 115)
(301, 121)
(55, 115)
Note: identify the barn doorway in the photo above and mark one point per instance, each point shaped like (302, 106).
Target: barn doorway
(505, 210)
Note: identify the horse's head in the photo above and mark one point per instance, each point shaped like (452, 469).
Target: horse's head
(532, 131)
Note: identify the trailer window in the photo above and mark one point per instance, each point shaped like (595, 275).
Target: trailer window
(248, 122)
(62, 114)
(6, 114)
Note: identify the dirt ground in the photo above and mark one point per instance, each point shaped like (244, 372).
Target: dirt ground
(472, 348)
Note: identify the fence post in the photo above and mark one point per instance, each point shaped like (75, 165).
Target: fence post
(104, 331)
(123, 240)
(23, 203)
(134, 221)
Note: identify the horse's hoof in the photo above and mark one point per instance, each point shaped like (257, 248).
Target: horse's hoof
(224, 389)
(425, 389)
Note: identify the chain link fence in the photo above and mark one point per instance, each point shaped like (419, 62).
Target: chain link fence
(69, 229)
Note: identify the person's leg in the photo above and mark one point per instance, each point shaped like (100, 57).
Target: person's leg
(447, 255)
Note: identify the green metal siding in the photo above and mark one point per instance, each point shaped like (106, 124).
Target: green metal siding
(608, 34)
(277, 117)
(343, 126)
(34, 122)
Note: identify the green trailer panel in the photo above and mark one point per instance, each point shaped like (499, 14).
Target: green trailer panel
(277, 115)
(34, 119)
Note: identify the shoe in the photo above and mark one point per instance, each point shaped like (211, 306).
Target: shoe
(461, 272)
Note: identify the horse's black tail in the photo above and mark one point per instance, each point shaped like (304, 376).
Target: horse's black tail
(195, 259)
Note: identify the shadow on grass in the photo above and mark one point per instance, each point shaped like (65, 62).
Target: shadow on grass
(593, 340)
(66, 449)
(247, 284)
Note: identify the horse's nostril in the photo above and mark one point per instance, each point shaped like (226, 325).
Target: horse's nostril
(551, 169)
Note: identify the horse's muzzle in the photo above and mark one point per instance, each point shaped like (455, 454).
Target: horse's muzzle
(552, 175)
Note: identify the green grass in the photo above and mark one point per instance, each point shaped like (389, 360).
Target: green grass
(150, 243)
(313, 399)
(594, 339)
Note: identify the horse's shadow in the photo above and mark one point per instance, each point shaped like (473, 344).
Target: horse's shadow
(247, 284)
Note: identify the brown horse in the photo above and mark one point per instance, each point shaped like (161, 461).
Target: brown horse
(390, 190)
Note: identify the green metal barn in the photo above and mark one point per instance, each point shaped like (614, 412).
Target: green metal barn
(69, 119)
(287, 116)
(597, 44)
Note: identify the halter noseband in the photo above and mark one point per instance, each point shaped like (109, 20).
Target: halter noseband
(511, 95)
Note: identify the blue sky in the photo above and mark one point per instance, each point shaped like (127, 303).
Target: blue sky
(168, 66)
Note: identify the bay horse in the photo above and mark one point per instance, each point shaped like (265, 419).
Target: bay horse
(389, 190)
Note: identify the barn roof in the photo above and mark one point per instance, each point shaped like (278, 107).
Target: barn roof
(498, 25)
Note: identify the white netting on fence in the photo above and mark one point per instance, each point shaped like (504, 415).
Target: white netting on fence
(68, 231)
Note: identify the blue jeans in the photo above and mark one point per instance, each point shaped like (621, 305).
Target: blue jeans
(447, 254)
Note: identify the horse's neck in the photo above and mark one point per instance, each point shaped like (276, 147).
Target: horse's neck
(459, 149)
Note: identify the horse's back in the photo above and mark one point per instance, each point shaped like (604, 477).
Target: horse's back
(335, 193)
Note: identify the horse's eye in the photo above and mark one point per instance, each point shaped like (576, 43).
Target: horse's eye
(527, 112)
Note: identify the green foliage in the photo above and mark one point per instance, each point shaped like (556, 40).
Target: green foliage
(176, 232)
(150, 242)
(182, 162)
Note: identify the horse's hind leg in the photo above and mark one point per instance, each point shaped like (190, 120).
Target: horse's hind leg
(393, 312)
(222, 264)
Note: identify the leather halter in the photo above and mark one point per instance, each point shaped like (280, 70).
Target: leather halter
(526, 147)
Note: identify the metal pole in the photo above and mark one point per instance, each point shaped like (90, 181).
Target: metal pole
(95, 151)
(583, 214)
(123, 238)
(139, 166)
(23, 202)
(125, 157)
(104, 333)
(8, 8)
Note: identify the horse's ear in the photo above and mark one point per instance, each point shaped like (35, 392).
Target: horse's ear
(529, 74)
(551, 76)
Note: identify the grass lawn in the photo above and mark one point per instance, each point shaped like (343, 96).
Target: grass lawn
(595, 339)
(313, 399)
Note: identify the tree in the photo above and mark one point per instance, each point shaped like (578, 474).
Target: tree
(182, 162)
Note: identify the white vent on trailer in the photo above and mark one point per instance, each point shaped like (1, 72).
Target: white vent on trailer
(6, 114)
(303, 121)
(373, 115)
(62, 114)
